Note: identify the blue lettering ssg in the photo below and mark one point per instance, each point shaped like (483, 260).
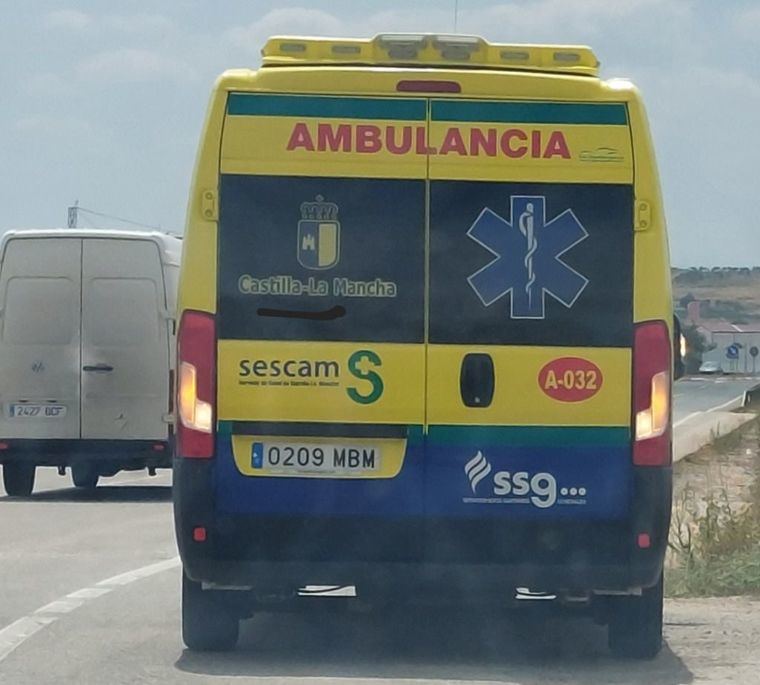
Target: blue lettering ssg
(528, 251)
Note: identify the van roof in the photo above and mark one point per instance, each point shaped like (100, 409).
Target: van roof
(434, 50)
(170, 244)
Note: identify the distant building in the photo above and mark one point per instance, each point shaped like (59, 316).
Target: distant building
(693, 312)
(722, 334)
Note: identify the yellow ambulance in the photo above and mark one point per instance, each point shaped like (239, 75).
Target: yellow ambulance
(425, 336)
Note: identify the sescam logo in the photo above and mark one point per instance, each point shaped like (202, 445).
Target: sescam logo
(364, 386)
(519, 487)
(361, 364)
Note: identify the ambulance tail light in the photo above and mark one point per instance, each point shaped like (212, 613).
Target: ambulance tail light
(196, 363)
(652, 365)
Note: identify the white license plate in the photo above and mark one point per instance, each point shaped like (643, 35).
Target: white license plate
(315, 458)
(37, 411)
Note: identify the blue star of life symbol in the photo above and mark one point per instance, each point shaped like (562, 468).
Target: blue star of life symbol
(527, 262)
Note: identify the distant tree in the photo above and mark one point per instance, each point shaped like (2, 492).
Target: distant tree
(684, 301)
(696, 346)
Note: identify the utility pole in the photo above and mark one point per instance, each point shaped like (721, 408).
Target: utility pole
(73, 215)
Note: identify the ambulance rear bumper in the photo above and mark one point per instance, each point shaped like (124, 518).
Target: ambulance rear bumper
(272, 553)
(424, 579)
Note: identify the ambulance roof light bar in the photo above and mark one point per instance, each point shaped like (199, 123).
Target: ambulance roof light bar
(431, 50)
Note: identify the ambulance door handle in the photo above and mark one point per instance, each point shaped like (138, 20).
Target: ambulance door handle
(477, 380)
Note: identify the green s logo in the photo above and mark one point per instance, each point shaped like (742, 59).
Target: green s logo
(360, 364)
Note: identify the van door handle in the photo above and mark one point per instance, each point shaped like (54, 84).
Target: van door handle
(477, 380)
(98, 368)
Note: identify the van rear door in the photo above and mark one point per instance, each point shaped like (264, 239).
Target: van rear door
(531, 310)
(125, 341)
(39, 347)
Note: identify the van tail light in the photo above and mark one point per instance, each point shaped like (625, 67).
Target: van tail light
(652, 363)
(196, 363)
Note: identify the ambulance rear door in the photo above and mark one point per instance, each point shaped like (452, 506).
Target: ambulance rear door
(531, 310)
(321, 278)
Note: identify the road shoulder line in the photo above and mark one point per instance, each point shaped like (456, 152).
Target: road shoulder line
(16, 633)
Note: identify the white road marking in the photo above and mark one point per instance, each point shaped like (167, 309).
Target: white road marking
(686, 418)
(138, 573)
(726, 404)
(734, 400)
(61, 606)
(21, 630)
(17, 632)
(89, 593)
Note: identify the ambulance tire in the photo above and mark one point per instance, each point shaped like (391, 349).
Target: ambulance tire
(18, 479)
(84, 476)
(207, 624)
(635, 625)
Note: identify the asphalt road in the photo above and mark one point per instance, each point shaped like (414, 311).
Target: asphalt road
(89, 593)
(707, 393)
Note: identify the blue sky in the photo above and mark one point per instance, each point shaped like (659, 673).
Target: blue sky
(103, 102)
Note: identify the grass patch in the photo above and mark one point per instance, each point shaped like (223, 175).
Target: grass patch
(715, 546)
(737, 573)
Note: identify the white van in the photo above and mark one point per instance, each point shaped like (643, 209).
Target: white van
(86, 352)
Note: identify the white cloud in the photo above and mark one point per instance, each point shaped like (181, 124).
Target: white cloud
(132, 65)
(139, 24)
(525, 21)
(46, 83)
(68, 19)
(287, 20)
(743, 84)
(747, 22)
(568, 22)
(56, 126)
(405, 21)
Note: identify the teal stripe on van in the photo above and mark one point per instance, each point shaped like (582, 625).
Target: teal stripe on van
(517, 436)
(253, 104)
(612, 114)
(531, 436)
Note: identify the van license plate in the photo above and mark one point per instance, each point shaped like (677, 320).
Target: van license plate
(315, 458)
(37, 411)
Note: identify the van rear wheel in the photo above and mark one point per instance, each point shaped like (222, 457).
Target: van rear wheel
(85, 476)
(18, 479)
(207, 624)
(635, 626)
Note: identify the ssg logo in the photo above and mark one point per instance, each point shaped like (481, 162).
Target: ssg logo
(361, 365)
(518, 487)
(527, 251)
(477, 469)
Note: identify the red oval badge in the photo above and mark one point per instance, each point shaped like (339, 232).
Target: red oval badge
(570, 379)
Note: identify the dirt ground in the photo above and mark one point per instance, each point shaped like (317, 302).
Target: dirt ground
(714, 640)
(731, 465)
